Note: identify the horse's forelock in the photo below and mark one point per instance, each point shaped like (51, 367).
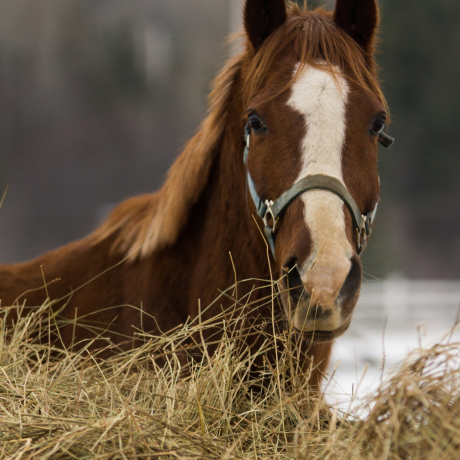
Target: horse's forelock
(315, 40)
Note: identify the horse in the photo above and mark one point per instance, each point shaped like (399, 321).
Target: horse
(281, 178)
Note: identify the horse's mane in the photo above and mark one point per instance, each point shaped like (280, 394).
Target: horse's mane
(152, 222)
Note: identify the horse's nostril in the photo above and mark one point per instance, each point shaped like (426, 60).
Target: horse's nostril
(293, 282)
(352, 284)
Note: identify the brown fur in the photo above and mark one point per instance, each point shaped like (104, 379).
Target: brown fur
(162, 252)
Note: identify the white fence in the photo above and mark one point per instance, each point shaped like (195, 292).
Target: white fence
(410, 300)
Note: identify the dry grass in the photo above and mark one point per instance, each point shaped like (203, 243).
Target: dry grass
(57, 403)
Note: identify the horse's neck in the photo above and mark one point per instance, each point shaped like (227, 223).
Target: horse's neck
(229, 232)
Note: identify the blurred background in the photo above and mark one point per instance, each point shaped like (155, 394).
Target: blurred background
(98, 97)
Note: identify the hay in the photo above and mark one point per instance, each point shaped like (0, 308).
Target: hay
(58, 403)
(416, 414)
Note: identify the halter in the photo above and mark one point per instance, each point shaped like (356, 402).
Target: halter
(271, 211)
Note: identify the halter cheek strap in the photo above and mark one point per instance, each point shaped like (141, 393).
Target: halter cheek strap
(271, 211)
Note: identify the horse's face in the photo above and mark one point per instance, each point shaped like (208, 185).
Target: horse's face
(323, 124)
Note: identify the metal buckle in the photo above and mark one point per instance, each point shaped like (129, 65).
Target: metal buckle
(268, 214)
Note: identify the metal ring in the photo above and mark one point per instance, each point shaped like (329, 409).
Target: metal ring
(269, 213)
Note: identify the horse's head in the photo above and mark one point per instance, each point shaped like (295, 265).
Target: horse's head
(314, 115)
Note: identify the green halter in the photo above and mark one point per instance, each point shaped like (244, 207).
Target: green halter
(271, 211)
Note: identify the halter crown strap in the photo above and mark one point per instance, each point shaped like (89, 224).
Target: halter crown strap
(261, 207)
(272, 211)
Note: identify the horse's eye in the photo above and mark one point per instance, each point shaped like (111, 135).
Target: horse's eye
(256, 124)
(377, 125)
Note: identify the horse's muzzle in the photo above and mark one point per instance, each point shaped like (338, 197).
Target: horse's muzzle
(319, 300)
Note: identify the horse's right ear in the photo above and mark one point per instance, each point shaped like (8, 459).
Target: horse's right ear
(262, 18)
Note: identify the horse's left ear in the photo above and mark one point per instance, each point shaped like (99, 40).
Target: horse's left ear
(262, 18)
(360, 19)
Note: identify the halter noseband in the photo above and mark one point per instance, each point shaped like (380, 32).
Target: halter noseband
(271, 211)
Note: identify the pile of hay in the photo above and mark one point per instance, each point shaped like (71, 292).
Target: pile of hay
(58, 403)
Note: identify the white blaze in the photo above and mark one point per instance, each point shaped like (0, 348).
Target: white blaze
(321, 99)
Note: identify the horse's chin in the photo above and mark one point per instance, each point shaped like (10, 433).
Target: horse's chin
(318, 336)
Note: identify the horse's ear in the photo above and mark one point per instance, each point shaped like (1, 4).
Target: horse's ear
(261, 18)
(360, 19)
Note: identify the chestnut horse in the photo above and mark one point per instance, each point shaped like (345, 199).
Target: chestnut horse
(288, 150)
